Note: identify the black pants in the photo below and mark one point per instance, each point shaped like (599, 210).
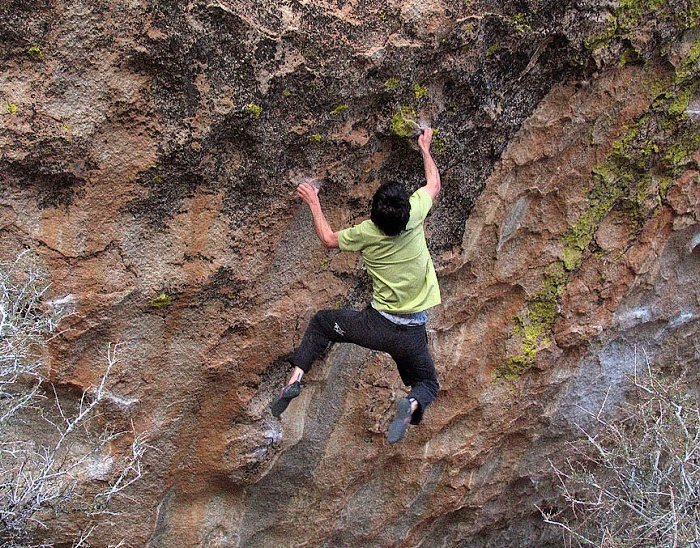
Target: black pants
(407, 345)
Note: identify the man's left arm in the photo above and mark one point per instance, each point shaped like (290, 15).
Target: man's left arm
(309, 194)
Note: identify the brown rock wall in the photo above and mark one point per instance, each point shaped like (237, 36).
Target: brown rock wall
(133, 167)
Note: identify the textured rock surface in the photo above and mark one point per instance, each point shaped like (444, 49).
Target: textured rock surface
(153, 147)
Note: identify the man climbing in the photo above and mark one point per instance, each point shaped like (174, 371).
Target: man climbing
(404, 286)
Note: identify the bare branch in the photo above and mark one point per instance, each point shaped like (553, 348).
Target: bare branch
(637, 481)
(39, 474)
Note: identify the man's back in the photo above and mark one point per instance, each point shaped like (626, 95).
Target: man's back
(402, 271)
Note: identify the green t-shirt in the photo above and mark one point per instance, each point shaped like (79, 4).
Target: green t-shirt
(402, 271)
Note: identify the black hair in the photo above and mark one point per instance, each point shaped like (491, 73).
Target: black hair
(391, 208)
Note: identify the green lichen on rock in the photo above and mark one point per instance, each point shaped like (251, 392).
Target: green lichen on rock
(522, 23)
(439, 145)
(11, 108)
(517, 365)
(632, 16)
(679, 153)
(403, 123)
(161, 301)
(679, 105)
(315, 138)
(601, 200)
(689, 64)
(391, 84)
(633, 180)
(254, 110)
(339, 109)
(642, 164)
(420, 91)
(36, 53)
(535, 324)
(630, 56)
(602, 40)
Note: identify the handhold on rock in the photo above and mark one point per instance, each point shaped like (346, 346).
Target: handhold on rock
(694, 245)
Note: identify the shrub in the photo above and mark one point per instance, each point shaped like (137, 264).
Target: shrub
(54, 457)
(637, 481)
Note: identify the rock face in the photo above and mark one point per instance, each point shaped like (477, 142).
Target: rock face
(153, 147)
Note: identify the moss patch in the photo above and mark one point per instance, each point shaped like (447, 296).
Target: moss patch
(438, 147)
(254, 110)
(403, 123)
(161, 301)
(638, 172)
(633, 180)
(522, 23)
(631, 16)
(36, 53)
(420, 91)
(535, 324)
(391, 84)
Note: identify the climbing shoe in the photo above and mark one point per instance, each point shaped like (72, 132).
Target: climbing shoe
(281, 402)
(403, 417)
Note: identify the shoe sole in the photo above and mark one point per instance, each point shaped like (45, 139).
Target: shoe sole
(398, 427)
(279, 405)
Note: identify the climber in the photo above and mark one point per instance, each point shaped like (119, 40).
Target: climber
(404, 284)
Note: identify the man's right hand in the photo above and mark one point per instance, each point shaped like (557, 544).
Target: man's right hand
(308, 193)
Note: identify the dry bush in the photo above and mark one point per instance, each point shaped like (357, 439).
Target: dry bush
(26, 326)
(55, 456)
(637, 481)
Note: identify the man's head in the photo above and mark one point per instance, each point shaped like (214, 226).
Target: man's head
(391, 208)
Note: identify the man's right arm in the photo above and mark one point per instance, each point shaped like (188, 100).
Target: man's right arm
(432, 175)
(325, 233)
